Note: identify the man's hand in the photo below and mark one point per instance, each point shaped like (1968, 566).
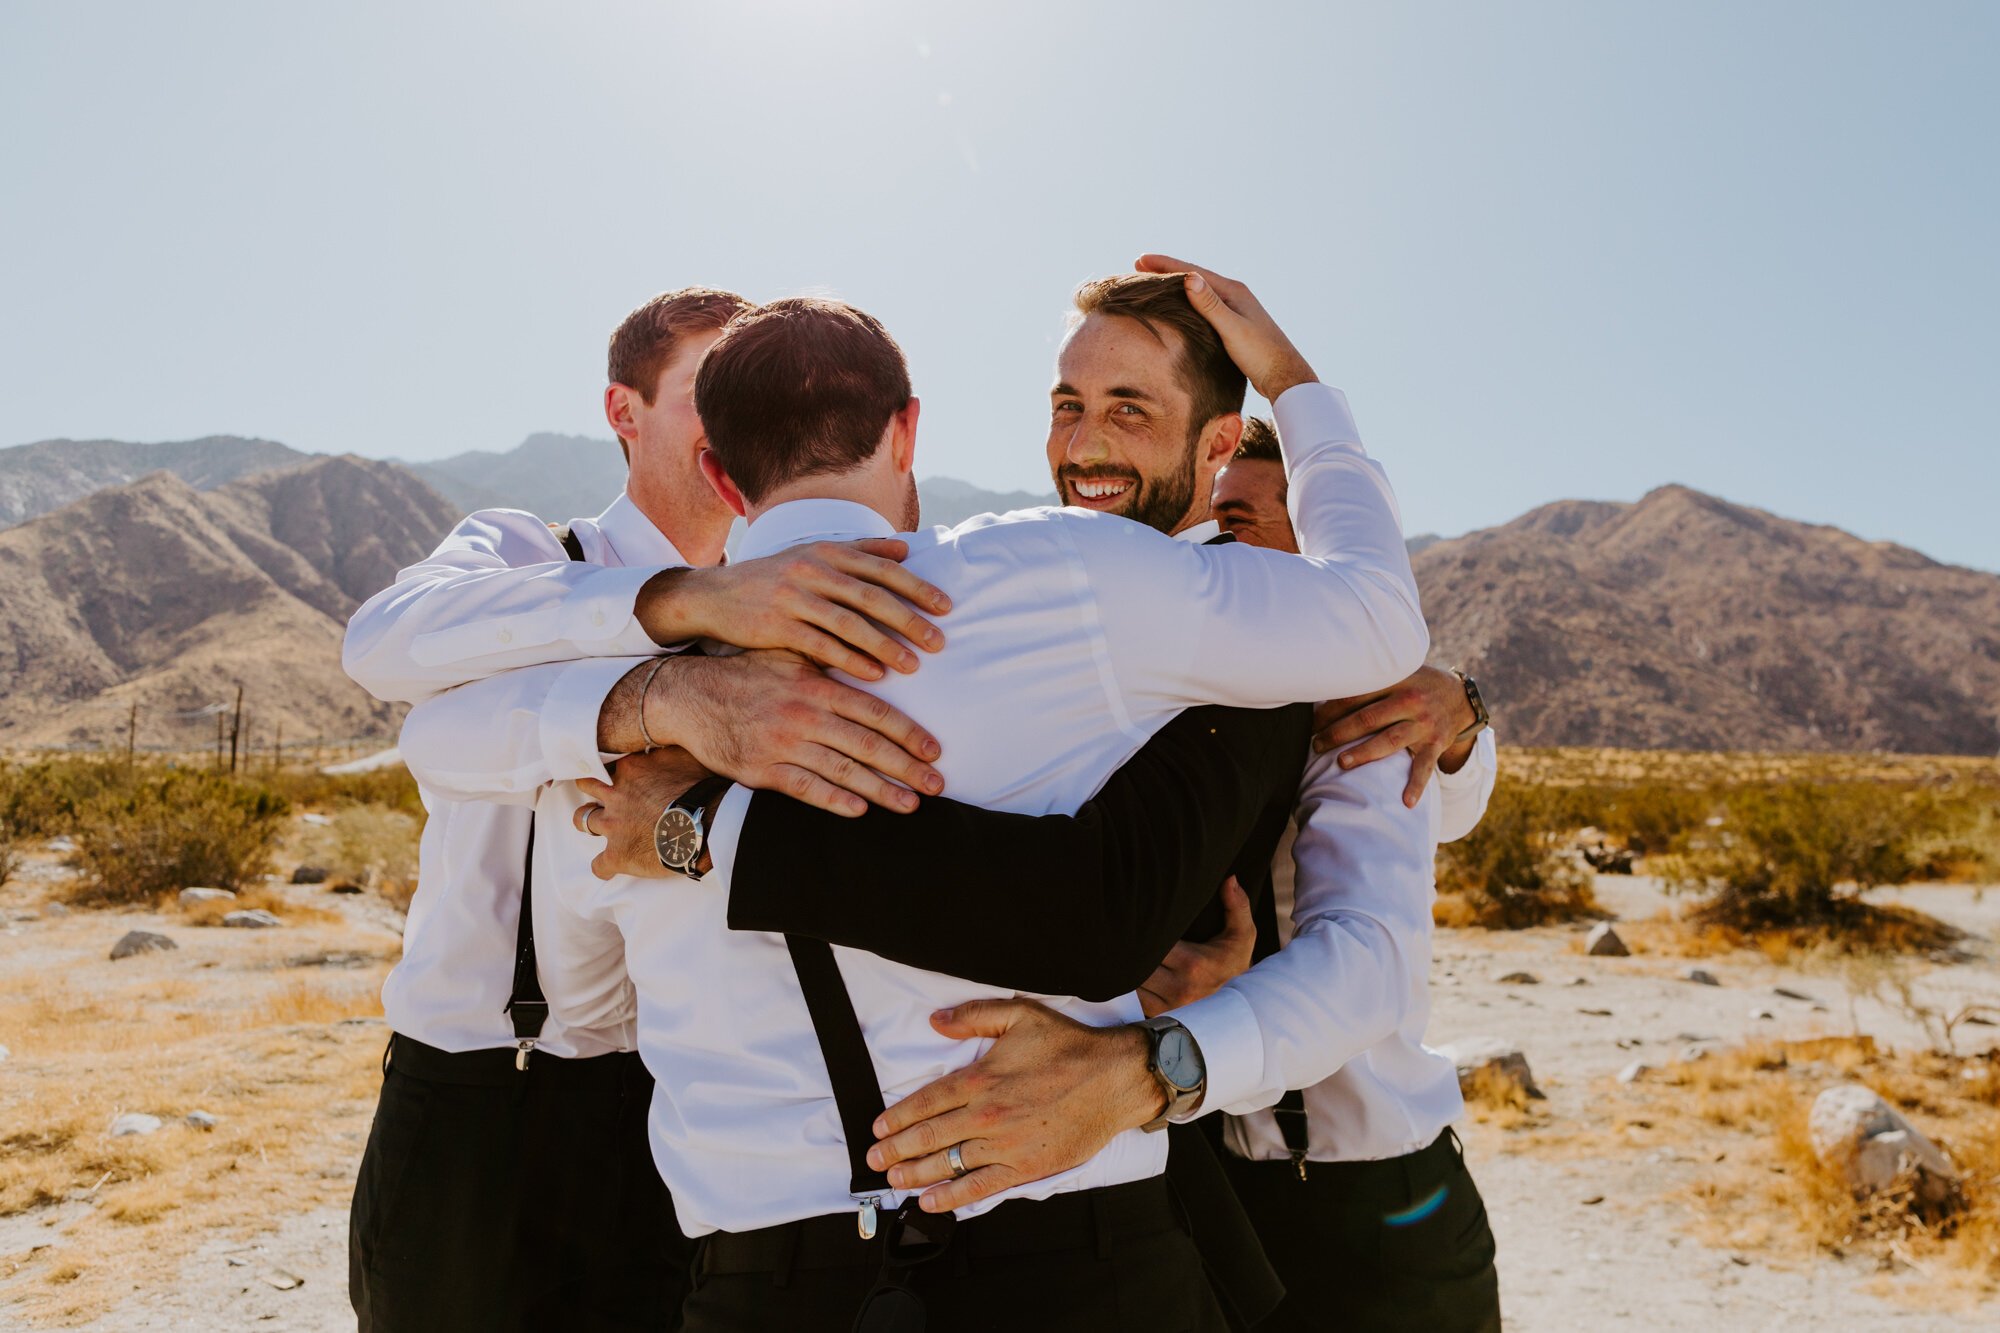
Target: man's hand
(1425, 715)
(1196, 971)
(1047, 1097)
(624, 813)
(840, 604)
(770, 720)
(1252, 338)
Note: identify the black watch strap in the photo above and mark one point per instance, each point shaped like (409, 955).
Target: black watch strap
(1481, 719)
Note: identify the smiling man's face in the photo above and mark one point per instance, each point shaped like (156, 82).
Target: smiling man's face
(1120, 436)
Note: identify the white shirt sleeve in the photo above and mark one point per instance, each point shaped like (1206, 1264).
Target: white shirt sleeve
(504, 738)
(1235, 624)
(1359, 958)
(1462, 796)
(498, 593)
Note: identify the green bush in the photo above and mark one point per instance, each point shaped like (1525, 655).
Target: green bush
(165, 830)
(1798, 853)
(392, 787)
(1514, 869)
(40, 800)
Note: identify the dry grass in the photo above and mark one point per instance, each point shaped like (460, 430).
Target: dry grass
(290, 910)
(220, 1027)
(1863, 929)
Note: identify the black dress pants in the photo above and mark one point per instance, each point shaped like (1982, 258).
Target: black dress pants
(1400, 1244)
(492, 1199)
(1138, 1272)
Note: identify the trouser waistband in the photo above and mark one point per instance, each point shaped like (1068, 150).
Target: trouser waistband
(494, 1067)
(1437, 1154)
(1083, 1219)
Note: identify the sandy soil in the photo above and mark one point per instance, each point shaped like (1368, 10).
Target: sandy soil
(1633, 1260)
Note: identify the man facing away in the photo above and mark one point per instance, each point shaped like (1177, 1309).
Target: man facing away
(507, 1181)
(1090, 634)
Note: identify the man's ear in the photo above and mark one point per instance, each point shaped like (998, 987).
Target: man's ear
(903, 436)
(711, 467)
(621, 406)
(1228, 433)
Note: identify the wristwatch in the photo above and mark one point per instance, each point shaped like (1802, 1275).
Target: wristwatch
(1481, 719)
(680, 835)
(1174, 1060)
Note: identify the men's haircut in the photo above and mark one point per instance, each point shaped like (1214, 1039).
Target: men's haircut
(1259, 442)
(1160, 301)
(647, 339)
(800, 386)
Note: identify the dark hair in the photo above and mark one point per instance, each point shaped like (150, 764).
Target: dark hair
(1259, 442)
(797, 387)
(1159, 300)
(646, 339)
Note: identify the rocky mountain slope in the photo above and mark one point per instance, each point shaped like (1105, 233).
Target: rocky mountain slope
(159, 594)
(1686, 621)
(42, 477)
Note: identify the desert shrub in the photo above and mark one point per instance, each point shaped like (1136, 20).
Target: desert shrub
(1798, 853)
(10, 853)
(1514, 870)
(376, 845)
(392, 787)
(1962, 841)
(166, 830)
(41, 799)
(1654, 817)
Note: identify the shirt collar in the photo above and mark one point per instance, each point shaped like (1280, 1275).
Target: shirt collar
(798, 521)
(1200, 532)
(632, 537)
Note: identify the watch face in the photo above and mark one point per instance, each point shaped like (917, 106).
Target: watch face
(1178, 1061)
(677, 839)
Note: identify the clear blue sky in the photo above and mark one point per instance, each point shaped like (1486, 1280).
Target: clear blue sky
(1549, 249)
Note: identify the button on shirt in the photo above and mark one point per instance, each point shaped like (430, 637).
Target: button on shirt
(499, 586)
(1074, 637)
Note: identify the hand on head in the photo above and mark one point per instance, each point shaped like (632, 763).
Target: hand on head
(1254, 341)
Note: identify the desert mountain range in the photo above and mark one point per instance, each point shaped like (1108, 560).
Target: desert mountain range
(166, 575)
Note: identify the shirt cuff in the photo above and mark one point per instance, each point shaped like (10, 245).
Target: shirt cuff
(727, 831)
(600, 612)
(570, 713)
(1312, 414)
(1477, 765)
(1232, 1048)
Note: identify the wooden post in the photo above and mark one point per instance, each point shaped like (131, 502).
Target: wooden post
(236, 729)
(277, 746)
(132, 734)
(218, 742)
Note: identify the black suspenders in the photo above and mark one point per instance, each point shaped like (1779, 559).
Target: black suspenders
(527, 1006)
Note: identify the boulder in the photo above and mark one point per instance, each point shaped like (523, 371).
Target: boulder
(311, 875)
(1701, 976)
(255, 918)
(138, 942)
(134, 1122)
(200, 895)
(200, 1120)
(1868, 1145)
(1603, 941)
(1490, 1057)
(1635, 1071)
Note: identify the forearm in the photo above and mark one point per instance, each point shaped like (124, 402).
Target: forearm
(504, 737)
(1084, 905)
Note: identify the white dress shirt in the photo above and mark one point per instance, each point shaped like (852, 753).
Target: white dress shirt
(1074, 637)
(1341, 1010)
(500, 573)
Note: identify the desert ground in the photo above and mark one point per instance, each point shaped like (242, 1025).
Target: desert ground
(1633, 1204)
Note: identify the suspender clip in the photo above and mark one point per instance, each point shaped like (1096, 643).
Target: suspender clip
(866, 1220)
(522, 1049)
(1299, 1161)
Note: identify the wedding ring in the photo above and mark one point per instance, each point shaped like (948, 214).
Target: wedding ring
(957, 1160)
(587, 812)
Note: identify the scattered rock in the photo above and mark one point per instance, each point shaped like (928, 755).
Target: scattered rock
(1603, 941)
(1976, 1020)
(330, 958)
(1593, 1201)
(138, 942)
(1596, 1013)
(1635, 1071)
(1701, 976)
(4, 1054)
(201, 895)
(1577, 981)
(282, 1280)
(1868, 1144)
(1762, 1013)
(1690, 1054)
(365, 1021)
(55, 909)
(316, 820)
(1518, 979)
(134, 1122)
(62, 844)
(1496, 1056)
(345, 886)
(200, 1120)
(1693, 1036)
(255, 918)
(1784, 992)
(311, 875)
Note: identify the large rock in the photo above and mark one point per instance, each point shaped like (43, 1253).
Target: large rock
(134, 1122)
(310, 875)
(1486, 1058)
(1604, 942)
(1868, 1145)
(189, 897)
(254, 919)
(138, 942)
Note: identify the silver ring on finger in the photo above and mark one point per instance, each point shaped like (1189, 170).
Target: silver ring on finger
(588, 812)
(957, 1160)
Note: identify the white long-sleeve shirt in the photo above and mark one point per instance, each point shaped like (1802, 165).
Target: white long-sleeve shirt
(500, 584)
(1074, 637)
(1340, 1011)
